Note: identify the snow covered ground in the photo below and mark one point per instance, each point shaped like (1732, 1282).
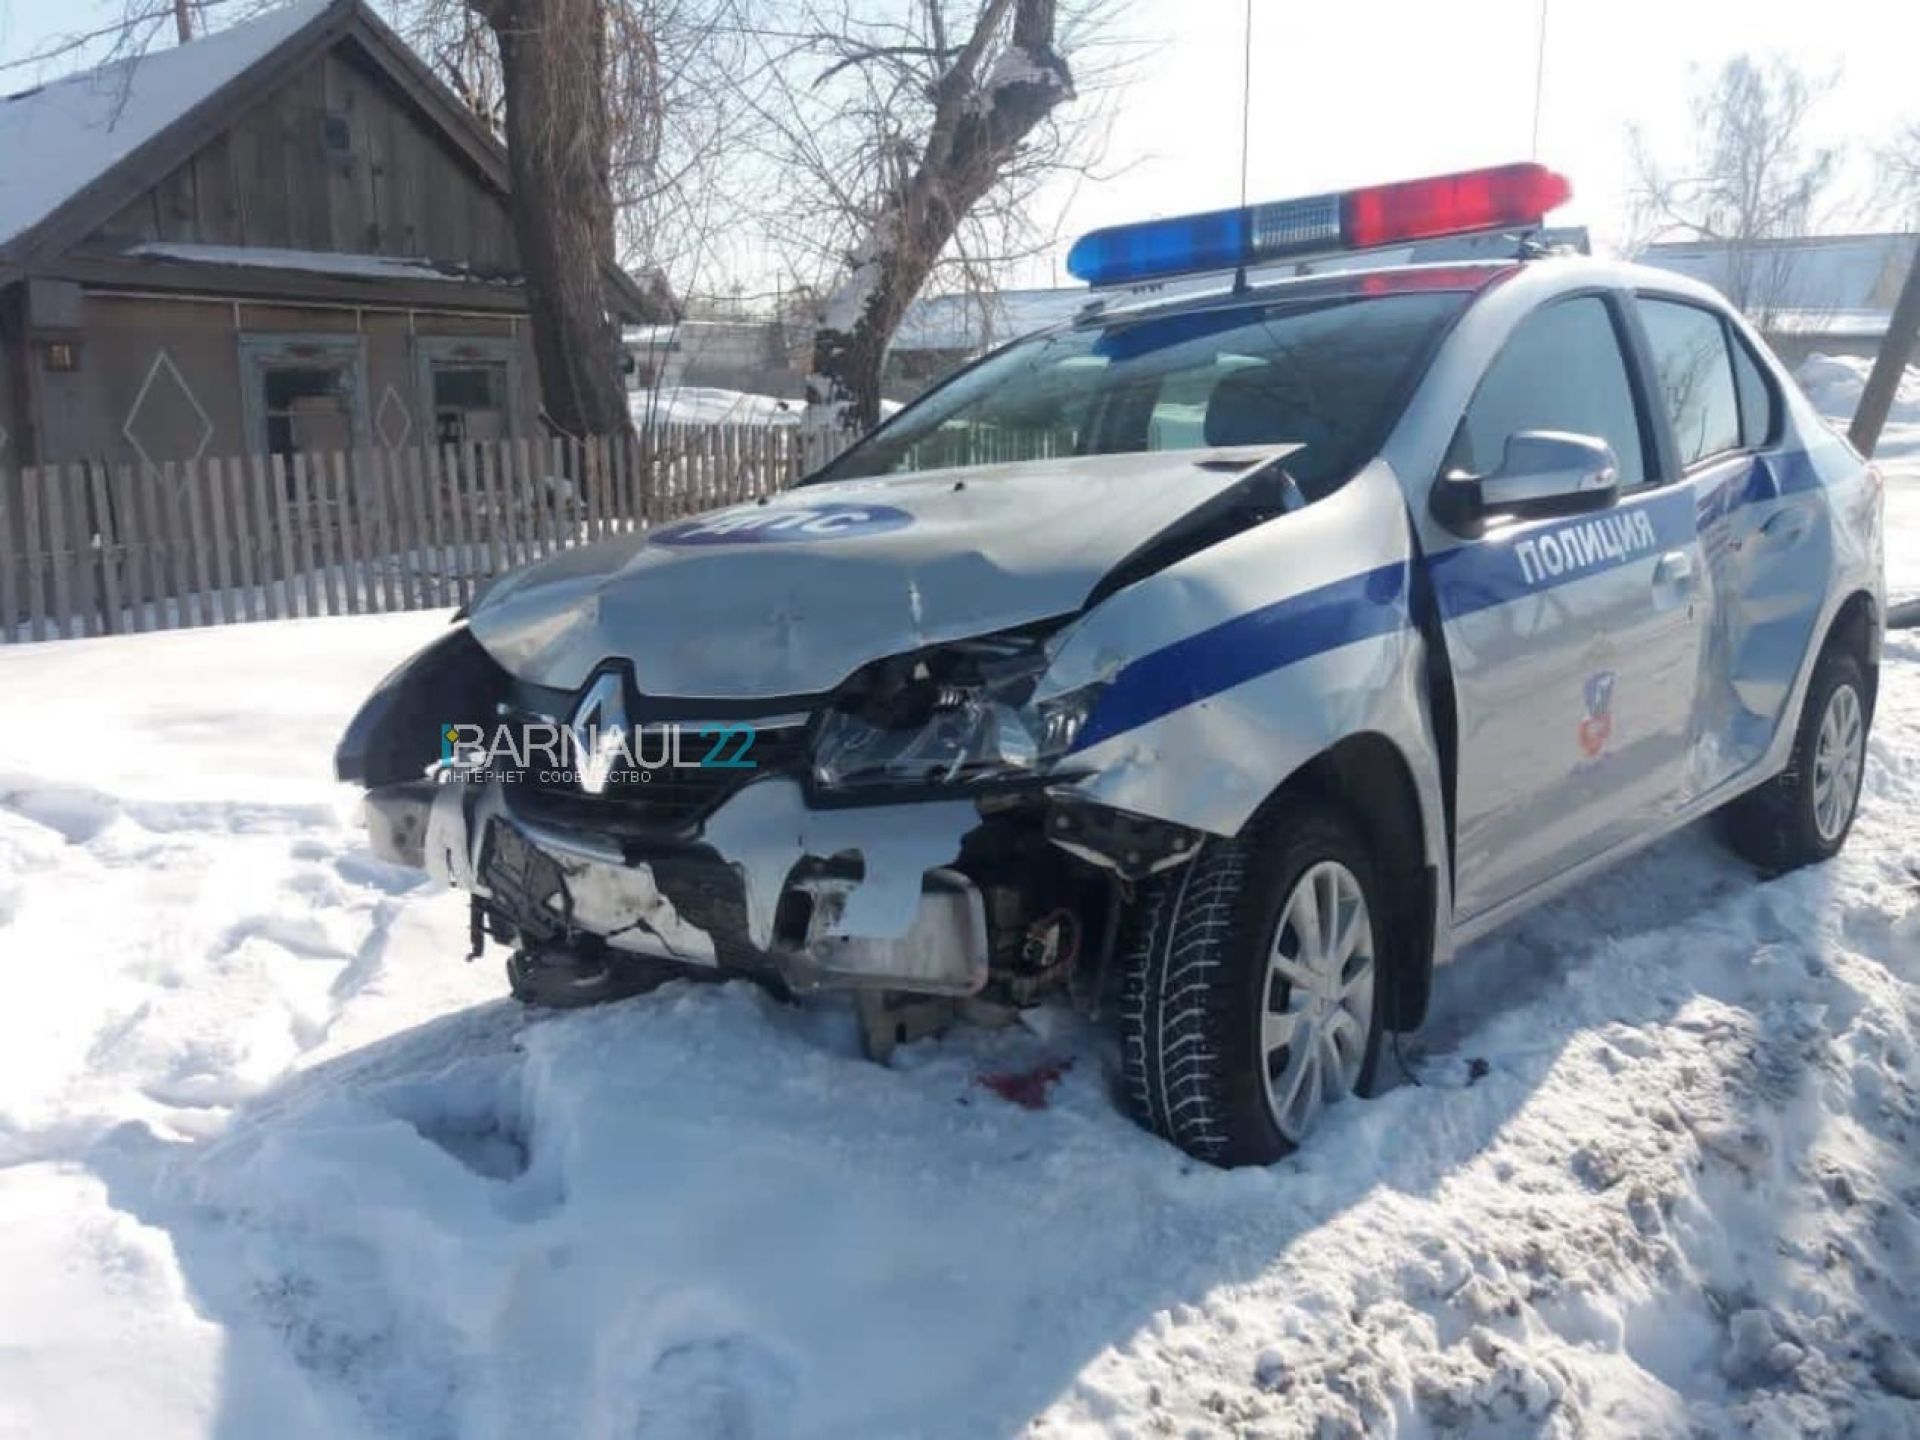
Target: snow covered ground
(705, 405)
(275, 1162)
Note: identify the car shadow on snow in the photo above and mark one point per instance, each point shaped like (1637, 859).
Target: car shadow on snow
(699, 1212)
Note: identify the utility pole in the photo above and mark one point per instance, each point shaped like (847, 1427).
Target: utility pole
(1877, 399)
(182, 21)
(1539, 80)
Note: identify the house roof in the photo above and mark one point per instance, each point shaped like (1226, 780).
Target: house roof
(309, 262)
(1809, 275)
(62, 136)
(80, 147)
(1833, 324)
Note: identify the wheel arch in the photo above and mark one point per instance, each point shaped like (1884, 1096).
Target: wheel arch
(1368, 776)
(1856, 627)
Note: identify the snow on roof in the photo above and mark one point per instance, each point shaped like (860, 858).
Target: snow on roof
(1814, 274)
(316, 262)
(1854, 324)
(60, 137)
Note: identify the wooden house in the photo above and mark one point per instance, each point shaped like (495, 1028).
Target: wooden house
(285, 237)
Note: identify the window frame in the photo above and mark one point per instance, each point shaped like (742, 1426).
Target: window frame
(260, 351)
(1776, 406)
(1729, 336)
(1628, 340)
(464, 351)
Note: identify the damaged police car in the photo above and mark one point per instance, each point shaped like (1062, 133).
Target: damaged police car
(1221, 660)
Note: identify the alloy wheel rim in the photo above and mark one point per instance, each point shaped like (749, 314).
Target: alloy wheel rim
(1317, 1009)
(1838, 757)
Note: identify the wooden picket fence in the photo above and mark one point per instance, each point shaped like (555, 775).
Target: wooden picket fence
(93, 549)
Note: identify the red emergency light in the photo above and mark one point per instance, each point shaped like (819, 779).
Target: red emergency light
(1460, 204)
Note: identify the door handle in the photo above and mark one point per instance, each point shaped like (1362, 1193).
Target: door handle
(1674, 568)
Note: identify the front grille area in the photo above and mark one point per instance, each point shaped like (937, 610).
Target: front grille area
(669, 798)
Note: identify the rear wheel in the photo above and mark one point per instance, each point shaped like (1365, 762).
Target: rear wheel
(1803, 814)
(1252, 990)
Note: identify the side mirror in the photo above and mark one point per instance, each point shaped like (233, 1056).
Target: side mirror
(1543, 475)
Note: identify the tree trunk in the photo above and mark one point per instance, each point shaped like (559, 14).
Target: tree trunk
(850, 345)
(553, 63)
(978, 127)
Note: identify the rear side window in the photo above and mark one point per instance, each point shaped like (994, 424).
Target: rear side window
(1756, 398)
(1561, 369)
(1694, 376)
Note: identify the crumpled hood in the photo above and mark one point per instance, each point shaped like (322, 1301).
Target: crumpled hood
(791, 595)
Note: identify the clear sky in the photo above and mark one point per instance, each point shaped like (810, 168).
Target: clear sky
(1363, 90)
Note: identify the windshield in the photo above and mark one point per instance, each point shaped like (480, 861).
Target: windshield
(1321, 373)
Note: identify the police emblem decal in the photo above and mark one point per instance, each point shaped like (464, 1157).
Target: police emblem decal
(1597, 726)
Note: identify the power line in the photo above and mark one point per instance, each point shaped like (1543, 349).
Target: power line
(1246, 101)
(1539, 80)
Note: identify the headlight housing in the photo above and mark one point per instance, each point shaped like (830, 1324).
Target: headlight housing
(960, 715)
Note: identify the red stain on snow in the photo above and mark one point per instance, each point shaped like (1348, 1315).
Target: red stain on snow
(1025, 1088)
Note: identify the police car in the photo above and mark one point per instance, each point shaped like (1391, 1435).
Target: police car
(1224, 660)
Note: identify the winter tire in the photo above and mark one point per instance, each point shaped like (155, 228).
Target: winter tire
(1252, 990)
(1802, 815)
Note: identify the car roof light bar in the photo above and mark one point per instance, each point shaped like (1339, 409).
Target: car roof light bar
(1502, 197)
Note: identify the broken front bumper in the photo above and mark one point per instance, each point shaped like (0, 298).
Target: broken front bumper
(857, 898)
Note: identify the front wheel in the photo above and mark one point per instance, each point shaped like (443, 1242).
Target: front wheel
(1252, 990)
(1803, 814)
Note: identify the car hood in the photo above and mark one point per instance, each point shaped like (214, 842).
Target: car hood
(790, 595)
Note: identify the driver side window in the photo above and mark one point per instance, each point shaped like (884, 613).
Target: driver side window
(1560, 370)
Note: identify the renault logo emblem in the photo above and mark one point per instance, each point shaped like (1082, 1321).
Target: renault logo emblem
(600, 732)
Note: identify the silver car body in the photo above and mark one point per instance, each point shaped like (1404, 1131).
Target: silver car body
(1697, 606)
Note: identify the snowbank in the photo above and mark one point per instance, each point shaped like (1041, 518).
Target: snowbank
(1834, 384)
(275, 1162)
(699, 405)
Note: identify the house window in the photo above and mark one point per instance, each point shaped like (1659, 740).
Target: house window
(309, 408)
(303, 394)
(470, 394)
(469, 401)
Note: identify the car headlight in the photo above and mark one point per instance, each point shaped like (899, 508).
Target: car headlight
(959, 715)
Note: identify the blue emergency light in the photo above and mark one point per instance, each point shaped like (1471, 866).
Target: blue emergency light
(1500, 198)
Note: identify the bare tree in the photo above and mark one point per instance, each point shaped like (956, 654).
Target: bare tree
(545, 84)
(668, 73)
(909, 138)
(1752, 181)
(1900, 174)
(130, 35)
(139, 25)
